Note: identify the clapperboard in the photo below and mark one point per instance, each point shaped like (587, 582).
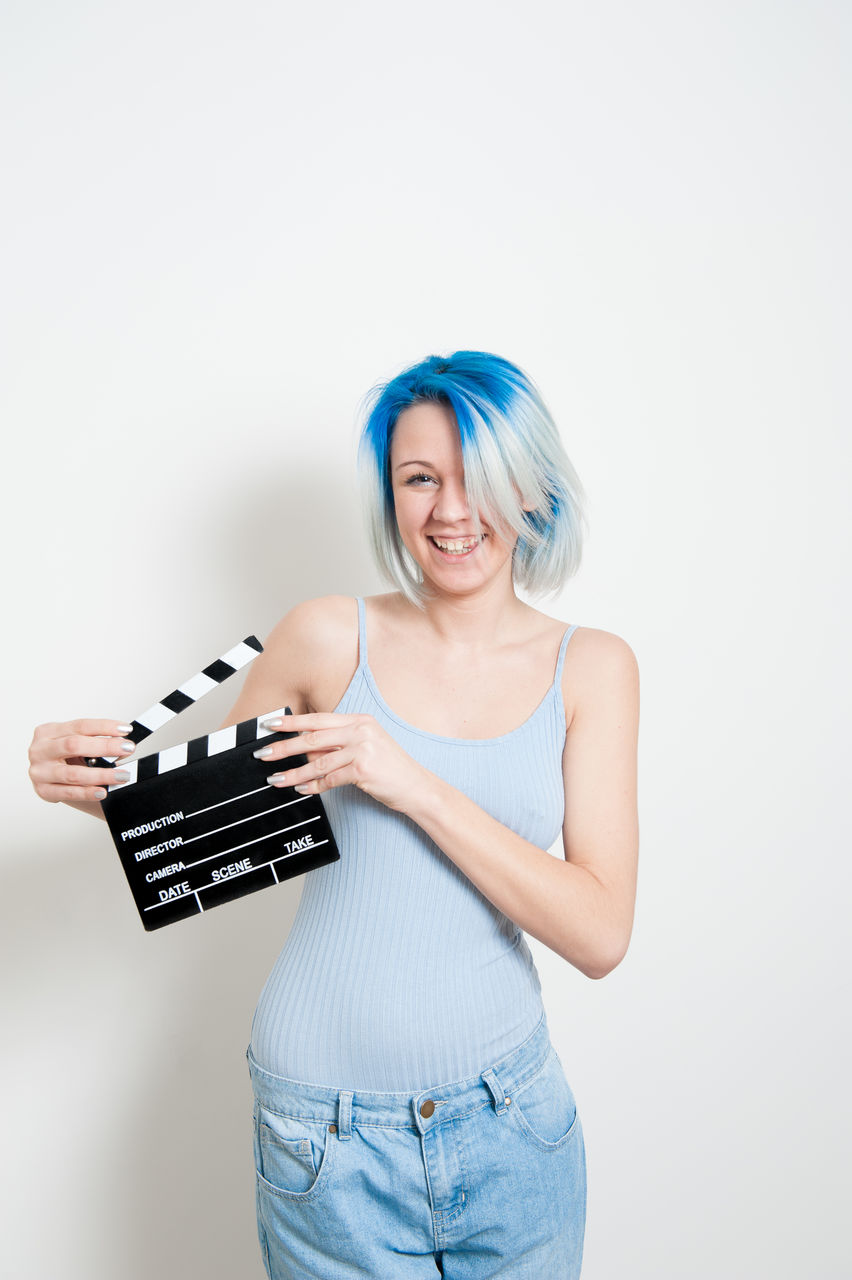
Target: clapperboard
(198, 824)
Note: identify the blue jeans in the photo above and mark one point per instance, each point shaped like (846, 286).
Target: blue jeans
(475, 1180)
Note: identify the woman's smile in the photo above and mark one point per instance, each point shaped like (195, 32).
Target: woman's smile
(456, 548)
(432, 511)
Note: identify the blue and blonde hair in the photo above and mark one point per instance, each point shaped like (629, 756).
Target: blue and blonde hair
(517, 474)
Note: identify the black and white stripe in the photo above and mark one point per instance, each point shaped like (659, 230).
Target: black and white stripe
(185, 695)
(212, 744)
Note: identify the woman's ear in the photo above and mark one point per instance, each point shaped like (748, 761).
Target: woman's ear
(525, 506)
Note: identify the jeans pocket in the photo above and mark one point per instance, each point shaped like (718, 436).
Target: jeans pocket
(544, 1106)
(292, 1156)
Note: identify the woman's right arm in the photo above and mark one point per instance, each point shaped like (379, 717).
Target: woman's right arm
(307, 662)
(308, 659)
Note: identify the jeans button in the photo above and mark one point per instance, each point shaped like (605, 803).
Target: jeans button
(427, 1108)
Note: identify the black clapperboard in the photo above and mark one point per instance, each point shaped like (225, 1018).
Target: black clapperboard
(198, 824)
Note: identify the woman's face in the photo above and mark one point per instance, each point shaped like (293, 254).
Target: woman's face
(432, 514)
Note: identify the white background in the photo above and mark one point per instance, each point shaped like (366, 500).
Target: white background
(221, 225)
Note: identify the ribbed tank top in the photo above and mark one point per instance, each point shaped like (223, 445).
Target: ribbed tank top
(398, 973)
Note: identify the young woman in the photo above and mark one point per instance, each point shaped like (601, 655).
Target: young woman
(412, 1118)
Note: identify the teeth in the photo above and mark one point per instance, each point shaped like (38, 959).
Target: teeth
(455, 544)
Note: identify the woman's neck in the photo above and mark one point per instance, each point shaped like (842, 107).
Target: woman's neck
(476, 620)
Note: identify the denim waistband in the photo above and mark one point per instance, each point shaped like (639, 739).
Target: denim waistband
(347, 1107)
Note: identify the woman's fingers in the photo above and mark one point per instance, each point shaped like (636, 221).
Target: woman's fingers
(315, 732)
(88, 728)
(312, 720)
(57, 753)
(53, 793)
(305, 744)
(341, 750)
(67, 774)
(67, 743)
(328, 767)
(66, 781)
(340, 778)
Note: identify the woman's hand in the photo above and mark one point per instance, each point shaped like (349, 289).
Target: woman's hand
(58, 754)
(344, 749)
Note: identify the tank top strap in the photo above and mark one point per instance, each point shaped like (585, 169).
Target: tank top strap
(560, 661)
(362, 632)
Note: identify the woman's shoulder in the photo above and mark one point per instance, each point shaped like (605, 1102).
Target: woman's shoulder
(314, 621)
(598, 664)
(316, 632)
(318, 638)
(591, 644)
(327, 621)
(587, 645)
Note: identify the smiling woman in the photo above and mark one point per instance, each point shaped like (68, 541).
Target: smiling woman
(431, 515)
(412, 1118)
(514, 469)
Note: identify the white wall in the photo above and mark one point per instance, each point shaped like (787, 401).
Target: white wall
(222, 224)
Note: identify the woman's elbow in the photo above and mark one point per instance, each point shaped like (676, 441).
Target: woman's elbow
(603, 967)
(604, 958)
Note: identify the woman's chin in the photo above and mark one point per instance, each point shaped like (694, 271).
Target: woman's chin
(467, 583)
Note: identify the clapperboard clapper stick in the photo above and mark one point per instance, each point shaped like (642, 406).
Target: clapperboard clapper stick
(198, 824)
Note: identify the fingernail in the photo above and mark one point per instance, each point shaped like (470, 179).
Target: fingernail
(271, 724)
(100, 794)
(124, 728)
(127, 748)
(262, 753)
(121, 776)
(303, 791)
(273, 778)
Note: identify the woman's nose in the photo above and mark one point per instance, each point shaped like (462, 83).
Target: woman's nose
(451, 503)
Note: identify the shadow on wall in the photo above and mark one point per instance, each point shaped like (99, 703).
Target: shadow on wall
(138, 1040)
(286, 539)
(138, 1059)
(291, 538)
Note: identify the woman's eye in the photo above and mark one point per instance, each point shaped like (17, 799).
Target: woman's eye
(419, 478)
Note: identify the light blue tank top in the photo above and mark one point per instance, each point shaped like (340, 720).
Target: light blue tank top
(398, 973)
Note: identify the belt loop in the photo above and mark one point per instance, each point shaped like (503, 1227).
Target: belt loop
(494, 1089)
(344, 1114)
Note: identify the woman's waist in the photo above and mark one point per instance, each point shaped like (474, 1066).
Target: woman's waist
(346, 940)
(363, 1041)
(391, 1012)
(395, 1107)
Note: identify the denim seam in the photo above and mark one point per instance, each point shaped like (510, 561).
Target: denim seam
(542, 1143)
(317, 1189)
(445, 1216)
(521, 1084)
(373, 1124)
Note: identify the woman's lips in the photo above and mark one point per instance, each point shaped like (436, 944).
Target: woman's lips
(455, 548)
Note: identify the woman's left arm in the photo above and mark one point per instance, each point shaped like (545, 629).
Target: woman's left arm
(581, 907)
